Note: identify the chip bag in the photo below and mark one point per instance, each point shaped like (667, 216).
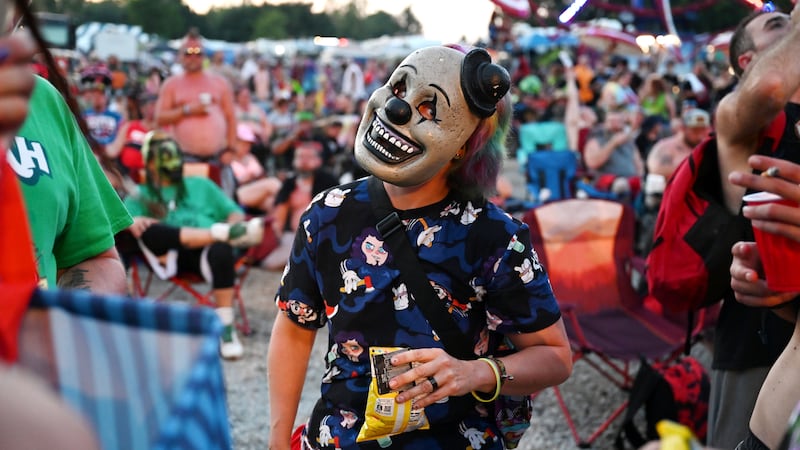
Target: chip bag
(385, 417)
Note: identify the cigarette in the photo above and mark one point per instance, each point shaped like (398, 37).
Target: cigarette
(771, 172)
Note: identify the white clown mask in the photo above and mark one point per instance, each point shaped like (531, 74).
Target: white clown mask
(414, 126)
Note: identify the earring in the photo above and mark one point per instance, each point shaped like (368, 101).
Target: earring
(459, 154)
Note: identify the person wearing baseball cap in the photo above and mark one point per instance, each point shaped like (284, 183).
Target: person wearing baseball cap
(668, 152)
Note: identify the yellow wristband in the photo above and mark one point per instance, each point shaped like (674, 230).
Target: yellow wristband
(497, 380)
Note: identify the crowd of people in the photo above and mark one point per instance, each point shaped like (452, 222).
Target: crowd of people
(291, 141)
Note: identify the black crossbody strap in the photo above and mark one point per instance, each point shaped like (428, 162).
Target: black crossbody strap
(392, 231)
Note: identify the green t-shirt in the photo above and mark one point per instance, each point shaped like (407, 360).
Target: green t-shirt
(203, 203)
(73, 211)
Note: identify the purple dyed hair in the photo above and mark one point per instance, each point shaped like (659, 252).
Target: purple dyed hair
(476, 174)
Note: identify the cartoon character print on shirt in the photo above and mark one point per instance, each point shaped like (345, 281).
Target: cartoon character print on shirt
(302, 312)
(348, 357)
(478, 288)
(454, 306)
(428, 233)
(330, 429)
(492, 321)
(484, 340)
(335, 197)
(331, 370)
(400, 297)
(331, 200)
(454, 208)
(470, 214)
(367, 262)
(306, 224)
(477, 437)
(412, 331)
(530, 266)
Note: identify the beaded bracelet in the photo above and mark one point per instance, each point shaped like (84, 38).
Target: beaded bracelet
(497, 379)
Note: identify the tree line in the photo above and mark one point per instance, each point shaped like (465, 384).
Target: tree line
(170, 19)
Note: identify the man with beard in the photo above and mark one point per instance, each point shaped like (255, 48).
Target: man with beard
(308, 180)
(667, 153)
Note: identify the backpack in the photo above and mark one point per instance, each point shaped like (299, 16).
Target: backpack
(688, 266)
(677, 391)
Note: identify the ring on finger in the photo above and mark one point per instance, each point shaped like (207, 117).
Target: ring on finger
(433, 383)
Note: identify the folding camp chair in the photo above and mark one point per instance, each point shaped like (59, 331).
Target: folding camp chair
(550, 175)
(140, 286)
(586, 246)
(141, 283)
(144, 374)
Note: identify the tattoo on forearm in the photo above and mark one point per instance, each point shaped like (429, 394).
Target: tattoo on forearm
(75, 279)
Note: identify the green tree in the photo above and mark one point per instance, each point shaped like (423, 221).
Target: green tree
(166, 18)
(409, 22)
(109, 11)
(271, 23)
(380, 24)
(170, 19)
(232, 24)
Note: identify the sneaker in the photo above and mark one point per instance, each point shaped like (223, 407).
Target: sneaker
(229, 345)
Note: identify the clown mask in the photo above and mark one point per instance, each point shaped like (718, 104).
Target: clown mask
(417, 125)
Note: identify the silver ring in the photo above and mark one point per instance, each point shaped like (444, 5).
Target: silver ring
(433, 383)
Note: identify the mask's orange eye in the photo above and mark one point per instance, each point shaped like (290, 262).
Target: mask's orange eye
(427, 110)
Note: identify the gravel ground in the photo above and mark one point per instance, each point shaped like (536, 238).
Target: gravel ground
(590, 396)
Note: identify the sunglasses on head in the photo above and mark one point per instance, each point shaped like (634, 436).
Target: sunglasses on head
(193, 51)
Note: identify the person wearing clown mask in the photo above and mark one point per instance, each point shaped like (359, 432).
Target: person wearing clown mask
(433, 138)
(189, 224)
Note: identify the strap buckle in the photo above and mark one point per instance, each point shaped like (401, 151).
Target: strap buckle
(389, 224)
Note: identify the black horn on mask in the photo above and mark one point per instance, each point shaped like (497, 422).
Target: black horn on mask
(483, 82)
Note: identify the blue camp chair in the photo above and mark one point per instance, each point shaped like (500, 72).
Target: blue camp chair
(550, 175)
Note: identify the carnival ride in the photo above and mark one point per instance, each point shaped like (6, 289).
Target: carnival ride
(625, 36)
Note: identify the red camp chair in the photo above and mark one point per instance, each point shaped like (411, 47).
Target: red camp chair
(586, 246)
(193, 284)
(189, 282)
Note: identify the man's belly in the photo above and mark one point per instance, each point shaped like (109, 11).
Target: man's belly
(202, 135)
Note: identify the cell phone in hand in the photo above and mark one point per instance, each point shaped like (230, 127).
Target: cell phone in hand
(566, 60)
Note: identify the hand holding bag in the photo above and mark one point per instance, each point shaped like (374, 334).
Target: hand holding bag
(512, 413)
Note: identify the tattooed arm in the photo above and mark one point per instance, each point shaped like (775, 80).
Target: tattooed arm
(102, 274)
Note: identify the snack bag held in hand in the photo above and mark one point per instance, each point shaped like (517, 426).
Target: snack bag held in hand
(385, 417)
(675, 436)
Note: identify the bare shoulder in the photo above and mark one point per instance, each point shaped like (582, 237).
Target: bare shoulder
(171, 82)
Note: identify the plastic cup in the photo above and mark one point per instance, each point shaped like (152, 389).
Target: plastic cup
(780, 256)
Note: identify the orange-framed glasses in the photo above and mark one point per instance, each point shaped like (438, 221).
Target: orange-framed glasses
(193, 51)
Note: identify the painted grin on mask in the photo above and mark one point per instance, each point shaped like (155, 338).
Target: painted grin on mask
(387, 144)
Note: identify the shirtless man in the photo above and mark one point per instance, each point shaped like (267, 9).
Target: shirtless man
(667, 153)
(198, 106)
